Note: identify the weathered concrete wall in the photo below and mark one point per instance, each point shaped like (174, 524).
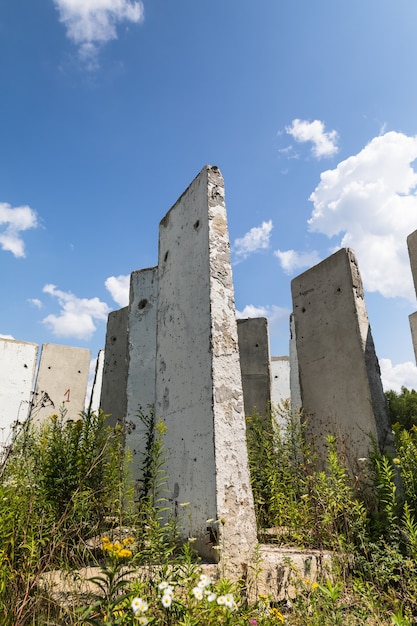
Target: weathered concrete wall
(413, 327)
(17, 371)
(280, 390)
(140, 386)
(61, 381)
(255, 364)
(198, 380)
(94, 404)
(340, 381)
(113, 390)
(412, 253)
(280, 379)
(296, 403)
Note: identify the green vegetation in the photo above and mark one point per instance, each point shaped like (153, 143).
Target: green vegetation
(402, 408)
(67, 502)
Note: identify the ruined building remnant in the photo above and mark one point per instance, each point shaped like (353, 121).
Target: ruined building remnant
(412, 252)
(176, 348)
(255, 365)
(339, 376)
(28, 391)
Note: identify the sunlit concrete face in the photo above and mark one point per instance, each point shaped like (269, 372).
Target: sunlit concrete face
(17, 371)
(61, 382)
(198, 380)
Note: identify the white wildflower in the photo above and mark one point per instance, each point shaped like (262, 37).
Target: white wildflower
(166, 600)
(204, 581)
(197, 593)
(139, 606)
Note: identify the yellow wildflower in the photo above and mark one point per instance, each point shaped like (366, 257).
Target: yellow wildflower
(277, 615)
(128, 541)
(124, 554)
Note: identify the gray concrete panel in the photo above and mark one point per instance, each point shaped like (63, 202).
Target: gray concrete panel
(296, 403)
(412, 253)
(61, 382)
(413, 327)
(113, 390)
(339, 374)
(255, 365)
(198, 381)
(280, 379)
(140, 386)
(17, 370)
(94, 404)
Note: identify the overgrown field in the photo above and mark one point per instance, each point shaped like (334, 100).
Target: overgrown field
(67, 501)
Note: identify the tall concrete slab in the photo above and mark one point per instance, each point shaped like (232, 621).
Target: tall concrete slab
(17, 370)
(140, 387)
(413, 327)
(280, 379)
(339, 373)
(94, 404)
(113, 389)
(412, 252)
(61, 381)
(296, 403)
(255, 365)
(198, 381)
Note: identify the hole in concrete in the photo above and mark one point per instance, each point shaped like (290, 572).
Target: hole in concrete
(142, 304)
(303, 310)
(196, 225)
(49, 367)
(113, 339)
(256, 345)
(166, 256)
(338, 289)
(25, 365)
(79, 371)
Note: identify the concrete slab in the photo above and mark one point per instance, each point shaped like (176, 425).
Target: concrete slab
(198, 381)
(339, 373)
(255, 364)
(413, 327)
(140, 387)
(61, 381)
(113, 390)
(94, 404)
(17, 370)
(412, 253)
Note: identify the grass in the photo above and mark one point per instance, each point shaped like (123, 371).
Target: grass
(67, 502)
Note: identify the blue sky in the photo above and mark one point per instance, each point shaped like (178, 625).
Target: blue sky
(110, 108)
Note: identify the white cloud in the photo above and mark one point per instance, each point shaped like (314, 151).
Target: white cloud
(90, 23)
(77, 315)
(290, 260)
(35, 302)
(396, 376)
(13, 221)
(277, 316)
(119, 286)
(255, 239)
(370, 200)
(324, 143)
